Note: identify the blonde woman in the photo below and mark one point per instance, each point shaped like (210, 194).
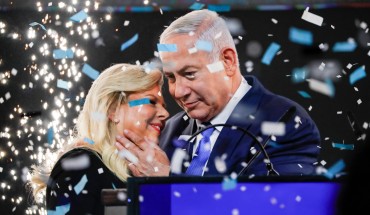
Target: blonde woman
(123, 97)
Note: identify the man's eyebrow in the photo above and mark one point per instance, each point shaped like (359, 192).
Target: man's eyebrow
(181, 70)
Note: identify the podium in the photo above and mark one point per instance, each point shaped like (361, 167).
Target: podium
(275, 195)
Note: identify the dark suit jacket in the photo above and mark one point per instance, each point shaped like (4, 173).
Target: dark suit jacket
(295, 153)
(62, 184)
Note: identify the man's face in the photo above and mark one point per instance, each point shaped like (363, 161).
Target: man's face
(201, 93)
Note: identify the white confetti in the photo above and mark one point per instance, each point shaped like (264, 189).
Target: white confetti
(177, 159)
(100, 170)
(273, 128)
(312, 18)
(220, 165)
(76, 163)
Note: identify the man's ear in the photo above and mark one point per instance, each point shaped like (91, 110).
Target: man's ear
(228, 57)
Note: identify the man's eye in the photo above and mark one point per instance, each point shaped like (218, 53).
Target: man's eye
(190, 75)
(170, 77)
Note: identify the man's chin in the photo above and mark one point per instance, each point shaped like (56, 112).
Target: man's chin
(199, 115)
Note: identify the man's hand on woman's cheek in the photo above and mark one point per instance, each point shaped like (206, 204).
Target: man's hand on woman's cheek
(144, 157)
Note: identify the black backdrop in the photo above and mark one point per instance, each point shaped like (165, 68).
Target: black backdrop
(25, 122)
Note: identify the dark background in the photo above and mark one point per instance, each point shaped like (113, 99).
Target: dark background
(25, 124)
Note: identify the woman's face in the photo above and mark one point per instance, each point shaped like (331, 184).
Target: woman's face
(145, 114)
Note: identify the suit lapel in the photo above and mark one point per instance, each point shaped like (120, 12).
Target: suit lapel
(243, 115)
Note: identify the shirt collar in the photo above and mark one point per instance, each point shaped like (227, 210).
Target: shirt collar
(222, 117)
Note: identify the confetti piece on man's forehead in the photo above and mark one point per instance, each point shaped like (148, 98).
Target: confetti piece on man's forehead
(219, 7)
(344, 46)
(358, 74)
(129, 42)
(216, 67)
(89, 71)
(312, 18)
(36, 23)
(166, 47)
(204, 45)
(270, 53)
(300, 36)
(62, 84)
(60, 54)
(196, 6)
(79, 17)
(137, 102)
(81, 184)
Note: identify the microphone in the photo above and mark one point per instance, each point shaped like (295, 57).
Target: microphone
(269, 166)
(284, 118)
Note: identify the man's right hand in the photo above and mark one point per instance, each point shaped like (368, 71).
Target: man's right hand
(144, 157)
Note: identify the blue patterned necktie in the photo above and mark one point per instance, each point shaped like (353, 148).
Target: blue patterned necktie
(202, 154)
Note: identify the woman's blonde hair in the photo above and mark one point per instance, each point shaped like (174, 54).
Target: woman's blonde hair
(114, 84)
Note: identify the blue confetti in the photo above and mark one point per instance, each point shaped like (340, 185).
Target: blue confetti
(358, 74)
(204, 45)
(60, 210)
(89, 71)
(343, 146)
(336, 168)
(270, 53)
(344, 46)
(166, 47)
(219, 7)
(139, 102)
(62, 84)
(89, 141)
(298, 75)
(114, 186)
(229, 184)
(300, 36)
(129, 42)
(60, 54)
(196, 6)
(79, 17)
(80, 185)
(50, 135)
(141, 9)
(304, 94)
(36, 23)
(274, 144)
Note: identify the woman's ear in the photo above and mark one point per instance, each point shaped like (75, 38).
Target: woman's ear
(228, 57)
(114, 117)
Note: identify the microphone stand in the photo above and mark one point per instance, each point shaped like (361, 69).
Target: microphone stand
(284, 118)
(270, 169)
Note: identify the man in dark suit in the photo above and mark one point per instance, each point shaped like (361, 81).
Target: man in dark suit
(201, 65)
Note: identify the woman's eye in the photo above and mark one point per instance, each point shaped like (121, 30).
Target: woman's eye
(153, 102)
